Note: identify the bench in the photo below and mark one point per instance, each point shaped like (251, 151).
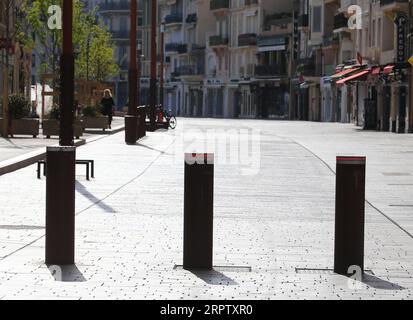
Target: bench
(90, 168)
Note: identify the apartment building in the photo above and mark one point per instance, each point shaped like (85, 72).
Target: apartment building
(354, 66)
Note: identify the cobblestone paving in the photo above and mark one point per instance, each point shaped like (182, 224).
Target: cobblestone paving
(273, 230)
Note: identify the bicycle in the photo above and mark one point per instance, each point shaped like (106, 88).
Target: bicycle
(169, 117)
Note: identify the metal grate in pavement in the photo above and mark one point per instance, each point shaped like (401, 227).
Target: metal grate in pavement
(322, 271)
(223, 268)
(401, 205)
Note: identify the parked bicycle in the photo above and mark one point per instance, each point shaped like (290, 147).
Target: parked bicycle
(169, 118)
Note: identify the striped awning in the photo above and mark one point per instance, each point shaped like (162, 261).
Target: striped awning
(355, 76)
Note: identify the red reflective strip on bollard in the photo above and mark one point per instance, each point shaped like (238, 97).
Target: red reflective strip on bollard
(199, 158)
(351, 160)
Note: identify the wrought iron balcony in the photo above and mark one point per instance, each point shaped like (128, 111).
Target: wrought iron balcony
(173, 18)
(251, 2)
(340, 21)
(247, 39)
(191, 18)
(190, 70)
(389, 2)
(303, 21)
(264, 71)
(219, 4)
(176, 47)
(122, 5)
(218, 41)
(308, 67)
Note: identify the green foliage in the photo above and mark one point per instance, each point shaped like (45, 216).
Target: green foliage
(91, 111)
(47, 42)
(94, 50)
(19, 107)
(96, 58)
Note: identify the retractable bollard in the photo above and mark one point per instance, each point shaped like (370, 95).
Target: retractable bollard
(198, 211)
(350, 215)
(60, 205)
(131, 129)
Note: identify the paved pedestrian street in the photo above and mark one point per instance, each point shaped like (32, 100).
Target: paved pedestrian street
(273, 227)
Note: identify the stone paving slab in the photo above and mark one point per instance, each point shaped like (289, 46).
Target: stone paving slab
(129, 221)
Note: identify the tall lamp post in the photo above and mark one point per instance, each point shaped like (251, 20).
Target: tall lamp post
(162, 58)
(60, 183)
(131, 119)
(152, 90)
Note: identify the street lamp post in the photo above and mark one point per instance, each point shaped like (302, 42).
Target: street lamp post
(162, 58)
(152, 93)
(60, 161)
(131, 119)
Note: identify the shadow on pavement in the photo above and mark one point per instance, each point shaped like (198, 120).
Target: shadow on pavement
(20, 227)
(66, 273)
(378, 283)
(213, 277)
(83, 191)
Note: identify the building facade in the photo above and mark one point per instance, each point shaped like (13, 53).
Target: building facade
(354, 63)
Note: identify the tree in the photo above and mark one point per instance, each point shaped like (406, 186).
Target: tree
(96, 60)
(94, 52)
(47, 41)
(7, 8)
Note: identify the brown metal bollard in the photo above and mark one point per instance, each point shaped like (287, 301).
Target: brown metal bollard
(350, 214)
(198, 211)
(60, 205)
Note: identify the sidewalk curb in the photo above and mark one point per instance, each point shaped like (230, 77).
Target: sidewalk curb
(25, 160)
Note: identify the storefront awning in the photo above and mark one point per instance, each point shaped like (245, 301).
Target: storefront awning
(375, 71)
(389, 69)
(344, 73)
(353, 77)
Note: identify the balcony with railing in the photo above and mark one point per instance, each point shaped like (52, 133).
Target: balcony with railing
(196, 49)
(247, 39)
(189, 70)
(340, 21)
(303, 21)
(176, 48)
(251, 2)
(309, 68)
(173, 19)
(266, 71)
(219, 5)
(218, 41)
(392, 2)
(278, 22)
(191, 18)
(122, 5)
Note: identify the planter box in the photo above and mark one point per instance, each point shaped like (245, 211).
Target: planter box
(52, 128)
(95, 123)
(26, 126)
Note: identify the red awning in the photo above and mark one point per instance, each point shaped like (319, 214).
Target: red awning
(389, 69)
(353, 77)
(375, 71)
(343, 73)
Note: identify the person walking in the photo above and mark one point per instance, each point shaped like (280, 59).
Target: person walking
(108, 105)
